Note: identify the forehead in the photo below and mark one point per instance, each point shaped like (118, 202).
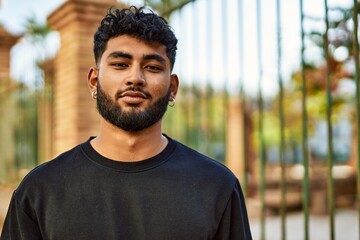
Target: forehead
(134, 47)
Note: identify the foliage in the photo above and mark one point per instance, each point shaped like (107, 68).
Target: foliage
(21, 103)
(337, 67)
(198, 119)
(34, 31)
(166, 7)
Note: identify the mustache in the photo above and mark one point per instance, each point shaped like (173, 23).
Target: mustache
(132, 89)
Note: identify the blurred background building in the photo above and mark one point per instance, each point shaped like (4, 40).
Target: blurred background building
(269, 88)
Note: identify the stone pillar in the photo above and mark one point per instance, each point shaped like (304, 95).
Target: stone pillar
(7, 109)
(45, 113)
(239, 125)
(75, 116)
(7, 40)
(234, 138)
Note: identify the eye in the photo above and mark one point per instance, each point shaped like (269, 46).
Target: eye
(119, 65)
(153, 68)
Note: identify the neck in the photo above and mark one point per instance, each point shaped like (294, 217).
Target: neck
(120, 145)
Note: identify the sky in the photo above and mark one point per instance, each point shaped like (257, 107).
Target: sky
(13, 13)
(194, 59)
(13, 17)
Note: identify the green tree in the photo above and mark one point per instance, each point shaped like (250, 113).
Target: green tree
(166, 7)
(26, 98)
(317, 68)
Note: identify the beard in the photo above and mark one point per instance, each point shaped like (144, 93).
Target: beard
(133, 120)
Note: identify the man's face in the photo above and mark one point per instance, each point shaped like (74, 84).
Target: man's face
(134, 83)
(131, 120)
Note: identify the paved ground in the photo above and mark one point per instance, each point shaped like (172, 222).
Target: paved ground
(5, 195)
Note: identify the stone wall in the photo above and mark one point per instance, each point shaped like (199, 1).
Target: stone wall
(74, 112)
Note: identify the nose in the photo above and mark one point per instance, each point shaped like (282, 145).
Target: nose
(136, 77)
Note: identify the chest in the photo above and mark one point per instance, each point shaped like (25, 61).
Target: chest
(131, 208)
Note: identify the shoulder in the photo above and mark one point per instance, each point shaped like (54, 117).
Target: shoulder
(204, 166)
(196, 158)
(49, 173)
(64, 160)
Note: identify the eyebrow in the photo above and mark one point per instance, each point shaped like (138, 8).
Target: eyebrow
(119, 54)
(155, 57)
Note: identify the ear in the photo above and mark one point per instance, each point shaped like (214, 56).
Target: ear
(93, 78)
(174, 85)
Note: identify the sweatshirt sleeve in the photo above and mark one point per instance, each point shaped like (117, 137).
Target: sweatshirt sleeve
(18, 224)
(234, 224)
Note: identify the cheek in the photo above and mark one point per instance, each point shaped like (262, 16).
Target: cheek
(163, 91)
(109, 78)
(107, 87)
(161, 87)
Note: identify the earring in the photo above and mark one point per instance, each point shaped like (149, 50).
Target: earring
(171, 102)
(94, 94)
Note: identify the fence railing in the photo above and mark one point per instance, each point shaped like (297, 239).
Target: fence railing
(290, 72)
(290, 69)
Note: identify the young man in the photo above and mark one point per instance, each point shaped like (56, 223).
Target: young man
(131, 181)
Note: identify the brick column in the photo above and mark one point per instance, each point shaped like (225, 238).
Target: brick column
(238, 125)
(7, 109)
(7, 40)
(75, 115)
(234, 139)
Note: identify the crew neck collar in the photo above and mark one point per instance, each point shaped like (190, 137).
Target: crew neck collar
(137, 166)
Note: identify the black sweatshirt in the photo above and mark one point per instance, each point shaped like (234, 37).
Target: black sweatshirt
(81, 195)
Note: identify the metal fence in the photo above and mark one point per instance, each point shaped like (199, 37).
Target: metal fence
(291, 71)
(294, 65)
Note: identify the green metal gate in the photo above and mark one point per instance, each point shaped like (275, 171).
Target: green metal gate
(288, 106)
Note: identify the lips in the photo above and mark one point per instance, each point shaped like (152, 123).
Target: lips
(133, 94)
(133, 97)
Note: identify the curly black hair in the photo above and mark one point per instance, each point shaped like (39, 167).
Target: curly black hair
(136, 22)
